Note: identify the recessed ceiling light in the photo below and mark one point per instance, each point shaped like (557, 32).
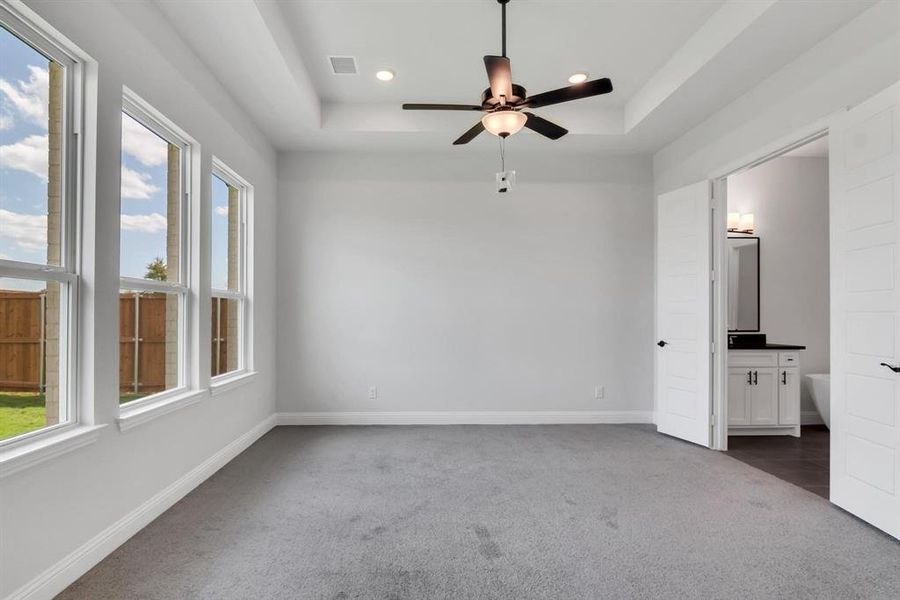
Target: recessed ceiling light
(578, 78)
(385, 75)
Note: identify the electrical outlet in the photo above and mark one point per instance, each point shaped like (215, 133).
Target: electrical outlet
(599, 392)
(373, 392)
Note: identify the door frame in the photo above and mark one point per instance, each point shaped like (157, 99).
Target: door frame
(719, 242)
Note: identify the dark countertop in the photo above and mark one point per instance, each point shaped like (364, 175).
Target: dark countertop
(768, 347)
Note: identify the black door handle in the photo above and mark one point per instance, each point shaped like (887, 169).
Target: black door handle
(749, 377)
(891, 367)
(784, 377)
(755, 377)
(662, 343)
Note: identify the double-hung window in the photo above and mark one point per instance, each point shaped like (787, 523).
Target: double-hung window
(40, 96)
(229, 274)
(154, 245)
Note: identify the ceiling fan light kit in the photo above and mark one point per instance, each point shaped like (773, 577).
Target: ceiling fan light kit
(504, 122)
(504, 102)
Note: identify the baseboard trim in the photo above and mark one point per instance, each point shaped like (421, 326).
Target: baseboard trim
(811, 417)
(465, 417)
(62, 574)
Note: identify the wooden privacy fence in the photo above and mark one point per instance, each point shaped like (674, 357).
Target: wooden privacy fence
(22, 341)
(142, 341)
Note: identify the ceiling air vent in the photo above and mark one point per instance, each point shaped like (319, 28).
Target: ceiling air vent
(343, 65)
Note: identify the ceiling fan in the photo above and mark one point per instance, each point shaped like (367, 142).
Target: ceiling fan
(505, 102)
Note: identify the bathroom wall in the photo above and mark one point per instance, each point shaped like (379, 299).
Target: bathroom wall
(788, 197)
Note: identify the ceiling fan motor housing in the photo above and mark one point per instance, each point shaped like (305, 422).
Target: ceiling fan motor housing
(488, 102)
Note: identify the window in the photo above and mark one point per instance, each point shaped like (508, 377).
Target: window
(38, 202)
(229, 271)
(154, 295)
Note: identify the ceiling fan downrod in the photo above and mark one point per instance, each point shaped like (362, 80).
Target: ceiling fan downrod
(503, 4)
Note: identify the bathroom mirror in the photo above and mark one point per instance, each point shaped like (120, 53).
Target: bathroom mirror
(743, 283)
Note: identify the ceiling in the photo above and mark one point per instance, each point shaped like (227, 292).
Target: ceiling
(672, 63)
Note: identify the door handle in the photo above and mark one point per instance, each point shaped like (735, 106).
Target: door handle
(749, 377)
(662, 343)
(755, 377)
(891, 367)
(784, 377)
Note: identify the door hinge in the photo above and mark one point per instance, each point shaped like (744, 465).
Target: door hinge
(712, 347)
(712, 275)
(712, 420)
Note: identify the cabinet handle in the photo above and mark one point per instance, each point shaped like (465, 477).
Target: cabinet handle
(891, 367)
(749, 377)
(784, 377)
(755, 377)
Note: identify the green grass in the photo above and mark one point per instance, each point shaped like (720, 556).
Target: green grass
(21, 412)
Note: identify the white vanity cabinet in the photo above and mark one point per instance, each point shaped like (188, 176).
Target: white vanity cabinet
(763, 392)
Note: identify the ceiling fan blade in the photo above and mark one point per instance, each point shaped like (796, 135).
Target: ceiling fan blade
(544, 127)
(573, 92)
(440, 107)
(500, 75)
(470, 134)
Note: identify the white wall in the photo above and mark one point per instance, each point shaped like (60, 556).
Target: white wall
(51, 509)
(409, 272)
(851, 65)
(788, 197)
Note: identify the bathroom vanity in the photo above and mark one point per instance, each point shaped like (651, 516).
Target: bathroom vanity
(764, 390)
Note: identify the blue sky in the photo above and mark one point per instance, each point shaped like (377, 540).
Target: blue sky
(219, 234)
(24, 86)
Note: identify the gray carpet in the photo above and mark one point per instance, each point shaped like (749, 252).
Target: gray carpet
(519, 512)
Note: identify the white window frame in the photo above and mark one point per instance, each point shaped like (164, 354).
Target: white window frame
(55, 47)
(243, 294)
(142, 112)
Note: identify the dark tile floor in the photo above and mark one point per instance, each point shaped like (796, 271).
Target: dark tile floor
(802, 461)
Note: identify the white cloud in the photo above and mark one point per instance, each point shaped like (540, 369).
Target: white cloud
(28, 232)
(152, 223)
(142, 144)
(136, 185)
(222, 211)
(6, 121)
(30, 98)
(29, 155)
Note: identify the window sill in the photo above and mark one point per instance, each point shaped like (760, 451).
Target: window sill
(132, 417)
(230, 382)
(17, 458)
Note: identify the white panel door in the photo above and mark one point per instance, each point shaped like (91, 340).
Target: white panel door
(683, 313)
(865, 311)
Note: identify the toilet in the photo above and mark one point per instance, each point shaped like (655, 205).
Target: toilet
(820, 390)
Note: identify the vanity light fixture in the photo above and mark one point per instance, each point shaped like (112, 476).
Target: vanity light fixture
(738, 223)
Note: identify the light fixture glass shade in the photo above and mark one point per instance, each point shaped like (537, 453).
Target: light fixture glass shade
(734, 220)
(746, 223)
(504, 122)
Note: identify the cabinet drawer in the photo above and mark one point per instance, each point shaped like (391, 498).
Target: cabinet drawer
(752, 358)
(788, 359)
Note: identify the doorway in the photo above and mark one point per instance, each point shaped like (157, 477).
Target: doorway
(776, 298)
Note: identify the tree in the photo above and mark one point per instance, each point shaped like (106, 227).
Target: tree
(157, 270)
